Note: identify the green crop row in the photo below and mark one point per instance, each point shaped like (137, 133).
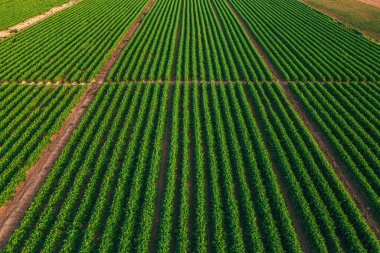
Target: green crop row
(189, 40)
(29, 116)
(351, 126)
(72, 45)
(305, 45)
(188, 168)
(13, 12)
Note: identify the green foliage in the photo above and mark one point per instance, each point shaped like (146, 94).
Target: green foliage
(189, 40)
(307, 46)
(233, 150)
(14, 12)
(71, 45)
(29, 116)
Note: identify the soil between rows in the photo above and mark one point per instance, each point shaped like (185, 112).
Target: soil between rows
(12, 212)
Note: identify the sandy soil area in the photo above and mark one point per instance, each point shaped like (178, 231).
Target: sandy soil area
(27, 23)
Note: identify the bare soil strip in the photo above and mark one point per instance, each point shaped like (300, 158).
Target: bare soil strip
(12, 212)
(341, 171)
(296, 219)
(177, 37)
(172, 82)
(272, 69)
(34, 20)
(162, 173)
(375, 3)
(336, 163)
(101, 77)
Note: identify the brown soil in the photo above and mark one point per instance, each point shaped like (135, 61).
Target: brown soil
(101, 77)
(335, 162)
(375, 3)
(272, 69)
(178, 35)
(350, 185)
(34, 20)
(161, 176)
(296, 220)
(191, 182)
(12, 212)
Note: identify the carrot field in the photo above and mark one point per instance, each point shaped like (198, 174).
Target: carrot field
(189, 126)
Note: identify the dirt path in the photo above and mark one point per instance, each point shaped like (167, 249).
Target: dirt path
(294, 216)
(34, 20)
(375, 3)
(350, 185)
(335, 162)
(177, 38)
(101, 77)
(272, 69)
(162, 174)
(12, 212)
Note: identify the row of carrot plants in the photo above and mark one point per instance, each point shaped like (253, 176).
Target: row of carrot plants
(239, 160)
(331, 219)
(189, 40)
(348, 115)
(71, 46)
(305, 45)
(29, 116)
(14, 12)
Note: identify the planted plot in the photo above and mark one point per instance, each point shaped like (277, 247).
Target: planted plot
(330, 218)
(185, 168)
(29, 116)
(305, 45)
(348, 115)
(69, 46)
(13, 12)
(189, 40)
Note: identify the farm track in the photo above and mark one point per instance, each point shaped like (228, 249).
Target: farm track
(101, 77)
(177, 38)
(335, 162)
(36, 19)
(297, 222)
(12, 212)
(272, 69)
(181, 82)
(162, 173)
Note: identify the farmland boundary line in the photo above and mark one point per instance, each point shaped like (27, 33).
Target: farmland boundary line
(102, 75)
(272, 69)
(171, 82)
(162, 172)
(351, 187)
(36, 19)
(333, 159)
(296, 220)
(177, 39)
(12, 212)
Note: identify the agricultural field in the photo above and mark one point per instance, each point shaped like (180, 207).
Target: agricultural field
(217, 184)
(224, 52)
(29, 116)
(13, 12)
(69, 46)
(188, 126)
(362, 15)
(307, 46)
(349, 114)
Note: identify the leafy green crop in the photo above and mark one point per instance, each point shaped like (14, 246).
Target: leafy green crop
(189, 40)
(305, 45)
(71, 45)
(29, 116)
(233, 149)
